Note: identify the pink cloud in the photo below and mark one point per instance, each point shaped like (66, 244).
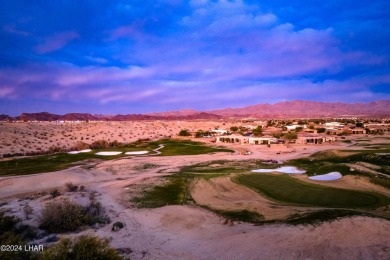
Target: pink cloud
(127, 31)
(11, 29)
(6, 91)
(56, 41)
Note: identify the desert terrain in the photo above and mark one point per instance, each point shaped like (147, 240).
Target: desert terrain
(195, 228)
(24, 137)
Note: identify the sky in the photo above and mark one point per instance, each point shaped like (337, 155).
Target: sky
(140, 56)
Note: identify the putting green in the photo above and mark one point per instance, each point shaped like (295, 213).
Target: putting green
(288, 190)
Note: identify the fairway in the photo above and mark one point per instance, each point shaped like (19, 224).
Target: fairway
(288, 190)
(178, 147)
(60, 161)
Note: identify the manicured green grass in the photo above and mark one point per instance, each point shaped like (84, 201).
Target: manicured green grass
(226, 167)
(45, 163)
(288, 190)
(240, 215)
(327, 161)
(382, 181)
(317, 167)
(174, 192)
(320, 216)
(56, 162)
(185, 147)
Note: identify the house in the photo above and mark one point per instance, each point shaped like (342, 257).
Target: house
(332, 124)
(234, 138)
(219, 132)
(378, 128)
(311, 131)
(294, 127)
(263, 140)
(332, 131)
(357, 131)
(314, 139)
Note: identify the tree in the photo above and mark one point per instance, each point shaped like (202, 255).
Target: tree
(199, 134)
(270, 123)
(277, 134)
(234, 128)
(184, 132)
(258, 131)
(359, 124)
(84, 247)
(321, 130)
(290, 136)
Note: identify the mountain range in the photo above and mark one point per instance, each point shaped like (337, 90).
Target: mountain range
(287, 109)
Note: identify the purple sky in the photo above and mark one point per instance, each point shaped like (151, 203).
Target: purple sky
(146, 56)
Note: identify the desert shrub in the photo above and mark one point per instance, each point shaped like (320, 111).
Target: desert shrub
(100, 144)
(11, 233)
(115, 143)
(26, 231)
(102, 219)
(85, 247)
(199, 134)
(54, 149)
(92, 196)
(71, 187)
(63, 216)
(95, 208)
(184, 132)
(80, 145)
(27, 210)
(234, 128)
(117, 226)
(55, 193)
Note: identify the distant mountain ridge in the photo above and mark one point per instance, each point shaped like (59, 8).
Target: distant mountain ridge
(287, 109)
(300, 108)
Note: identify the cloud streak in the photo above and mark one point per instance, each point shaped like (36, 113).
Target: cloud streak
(56, 42)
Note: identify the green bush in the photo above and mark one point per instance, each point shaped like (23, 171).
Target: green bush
(63, 216)
(11, 233)
(184, 132)
(321, 130)
(85, 247)
(100, 144)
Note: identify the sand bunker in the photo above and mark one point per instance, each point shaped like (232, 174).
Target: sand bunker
(108, 153)
(136, 152)
(284, 169)
(223, 194)
(327, 177)
(82, 151)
